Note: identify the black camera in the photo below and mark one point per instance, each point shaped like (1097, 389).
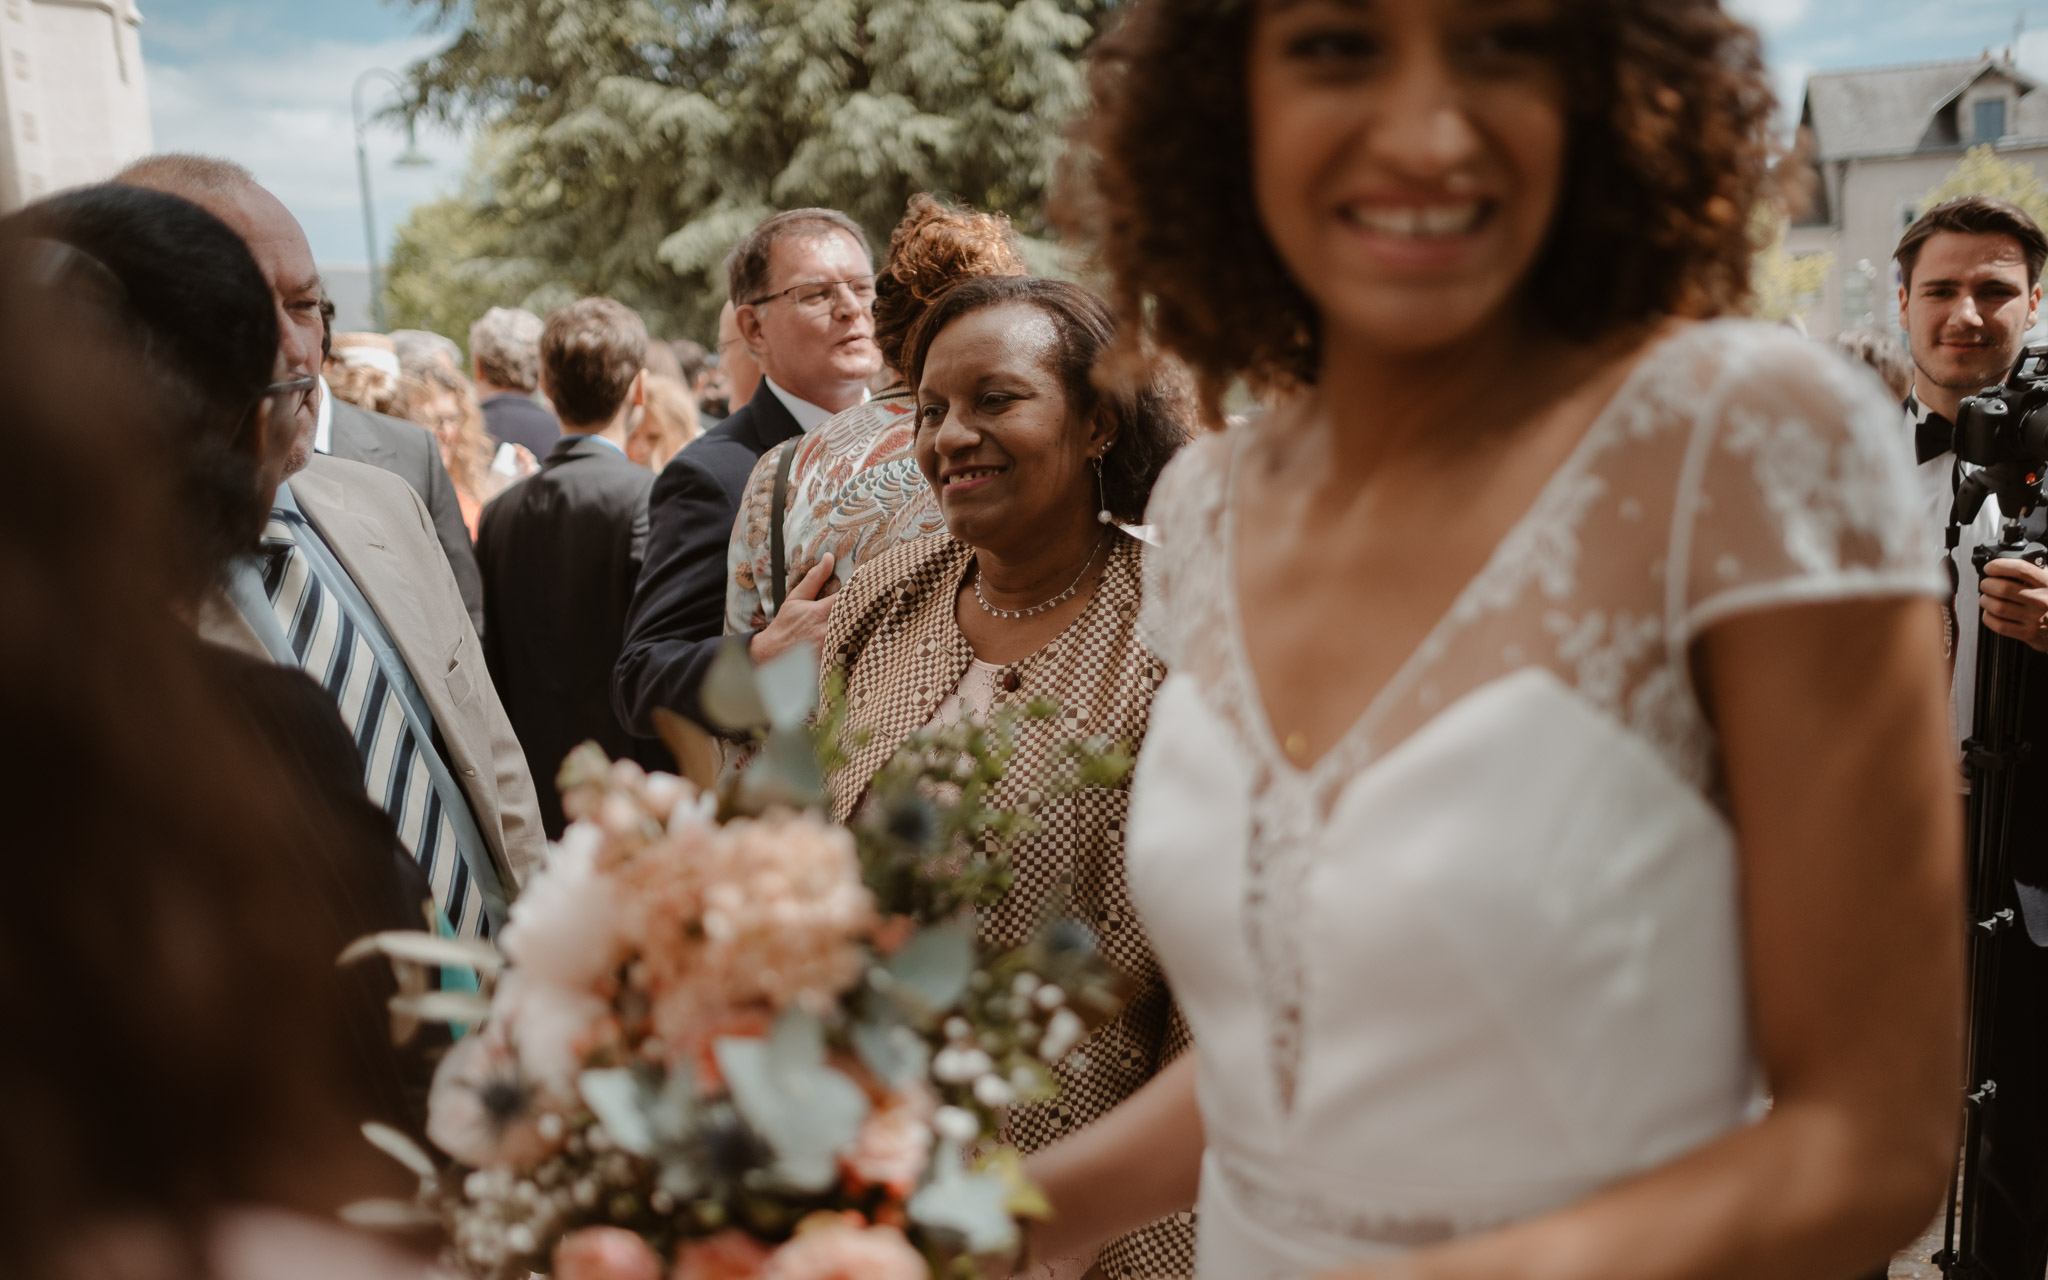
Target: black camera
(2002, 431)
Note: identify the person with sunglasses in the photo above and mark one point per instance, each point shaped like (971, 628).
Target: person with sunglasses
(802, 285)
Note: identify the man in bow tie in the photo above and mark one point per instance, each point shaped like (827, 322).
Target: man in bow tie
(1970, 288)
(1970, 272)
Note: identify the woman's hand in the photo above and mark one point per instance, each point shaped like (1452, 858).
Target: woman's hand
(801, 619)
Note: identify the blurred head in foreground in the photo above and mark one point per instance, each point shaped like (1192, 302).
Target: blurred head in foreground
(169, 1049)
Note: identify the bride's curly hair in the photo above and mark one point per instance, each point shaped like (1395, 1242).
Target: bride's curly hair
(1667, 154)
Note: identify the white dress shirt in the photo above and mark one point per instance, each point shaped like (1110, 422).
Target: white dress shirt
(808, 416)
(323, 428)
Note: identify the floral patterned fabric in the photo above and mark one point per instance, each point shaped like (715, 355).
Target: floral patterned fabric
(854, 490)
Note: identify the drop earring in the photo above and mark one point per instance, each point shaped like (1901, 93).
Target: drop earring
(1102, 516)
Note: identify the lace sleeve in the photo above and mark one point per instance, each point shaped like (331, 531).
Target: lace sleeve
(1182, 512)
(1796, 488)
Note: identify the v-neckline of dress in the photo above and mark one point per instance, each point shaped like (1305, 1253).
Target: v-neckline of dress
(1255, 715)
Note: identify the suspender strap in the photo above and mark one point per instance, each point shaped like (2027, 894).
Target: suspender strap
(778, 551)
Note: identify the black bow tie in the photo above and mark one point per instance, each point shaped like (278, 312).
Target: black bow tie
(1933, 436)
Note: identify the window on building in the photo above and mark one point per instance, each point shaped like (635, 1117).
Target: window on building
(1989, 119)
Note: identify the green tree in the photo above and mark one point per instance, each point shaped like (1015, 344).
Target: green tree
(1981, 173)
(629, 143)
(1786, 286)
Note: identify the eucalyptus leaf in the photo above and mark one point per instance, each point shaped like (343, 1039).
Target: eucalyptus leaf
(388, 1215)
(618, 1100)
(426, 948)
(892, 1051)
(785, 772)
(788, 685)
(442, 1006)
(936, 964)
(399, 1147)
(805, 1111)
(971, 1206)
(729, 696)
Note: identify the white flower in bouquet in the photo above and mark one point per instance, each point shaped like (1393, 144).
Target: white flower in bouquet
(565, 928)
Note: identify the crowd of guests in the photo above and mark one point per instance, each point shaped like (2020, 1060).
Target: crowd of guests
(304, 623)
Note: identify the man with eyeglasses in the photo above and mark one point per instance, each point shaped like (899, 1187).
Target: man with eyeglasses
(802, 285)
(354, 589)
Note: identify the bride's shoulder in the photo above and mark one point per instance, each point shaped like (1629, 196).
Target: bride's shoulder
(1733, 359)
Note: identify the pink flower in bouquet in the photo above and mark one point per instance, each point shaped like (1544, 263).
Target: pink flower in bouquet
(565, 925)
(766, 911)
(894, 1146)
(729, 1255)
(605, 1253)
(482, 1109)
(848, 1253)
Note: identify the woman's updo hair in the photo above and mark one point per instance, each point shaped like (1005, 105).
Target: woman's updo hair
(1668, 151)
(934, 248)
(1154, 414)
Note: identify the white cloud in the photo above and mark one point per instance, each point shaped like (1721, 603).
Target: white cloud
(1770, 16)
(288, 119)
(1788, 80)
(2031, 53)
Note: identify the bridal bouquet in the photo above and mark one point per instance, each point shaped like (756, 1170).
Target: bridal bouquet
(725, 1038)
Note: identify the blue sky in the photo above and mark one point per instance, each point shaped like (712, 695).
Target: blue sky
(266, 82)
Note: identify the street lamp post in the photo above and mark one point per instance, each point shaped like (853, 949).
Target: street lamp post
(410, 158)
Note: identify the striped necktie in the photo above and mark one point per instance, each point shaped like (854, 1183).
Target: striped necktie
(333, 650)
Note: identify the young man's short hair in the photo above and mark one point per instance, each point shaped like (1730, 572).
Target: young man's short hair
(1974, 216)
(590, 352)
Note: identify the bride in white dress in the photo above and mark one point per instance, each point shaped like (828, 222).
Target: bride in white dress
(1552, 767)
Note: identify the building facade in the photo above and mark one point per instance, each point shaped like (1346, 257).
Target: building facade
(1881, 139)
(73, 104)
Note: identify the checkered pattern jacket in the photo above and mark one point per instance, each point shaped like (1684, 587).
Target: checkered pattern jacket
(893, 632)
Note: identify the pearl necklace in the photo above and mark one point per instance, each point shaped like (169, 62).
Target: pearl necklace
(1061, 598)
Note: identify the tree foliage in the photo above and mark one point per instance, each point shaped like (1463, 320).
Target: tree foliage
(1784, 286)
(629, 143)
(1981, 173)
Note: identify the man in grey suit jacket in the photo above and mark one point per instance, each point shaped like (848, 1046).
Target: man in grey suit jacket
(378, 530)
(357, 591)
(410, 452)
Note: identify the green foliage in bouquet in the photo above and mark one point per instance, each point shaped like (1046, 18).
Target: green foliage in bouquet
(729, 1029)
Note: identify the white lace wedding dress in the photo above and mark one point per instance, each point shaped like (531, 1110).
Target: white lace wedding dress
(1484, 956)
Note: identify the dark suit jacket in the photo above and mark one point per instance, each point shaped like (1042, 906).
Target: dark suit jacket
(678, 614)
(560, 552)
(410, 452)
(512, 418)
(353, 875)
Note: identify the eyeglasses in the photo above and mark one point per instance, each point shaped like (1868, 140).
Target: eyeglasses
(300, 390)
(817, 296)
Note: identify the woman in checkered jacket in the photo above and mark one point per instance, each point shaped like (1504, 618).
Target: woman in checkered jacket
(1032, 592)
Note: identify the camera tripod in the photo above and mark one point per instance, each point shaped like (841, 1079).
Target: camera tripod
(1994, 750)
